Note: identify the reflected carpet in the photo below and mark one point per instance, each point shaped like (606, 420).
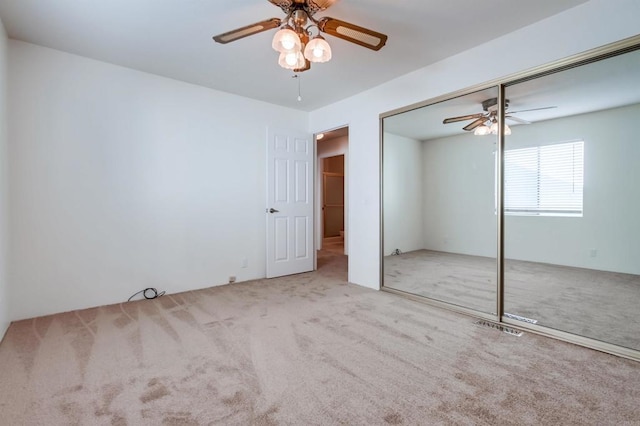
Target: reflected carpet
(597, 304)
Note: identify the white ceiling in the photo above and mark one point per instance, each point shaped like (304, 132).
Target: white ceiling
(172, 38)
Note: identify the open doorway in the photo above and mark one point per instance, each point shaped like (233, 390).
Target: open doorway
(332, 193)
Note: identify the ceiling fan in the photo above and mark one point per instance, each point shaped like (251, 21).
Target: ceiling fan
(295, 41)
(489, 116)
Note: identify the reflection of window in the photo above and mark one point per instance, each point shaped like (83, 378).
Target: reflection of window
(544, 180)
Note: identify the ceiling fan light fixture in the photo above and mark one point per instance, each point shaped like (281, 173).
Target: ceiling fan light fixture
(318, 50)
(295, 31)
(286, 40)
(292, 60)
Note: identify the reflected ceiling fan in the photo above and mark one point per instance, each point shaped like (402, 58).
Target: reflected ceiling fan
(296, 41)
(486, 122)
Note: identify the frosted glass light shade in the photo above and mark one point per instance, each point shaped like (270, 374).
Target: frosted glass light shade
(286, 40)
(482, 130)
(494, 129)
(291, 60)
(318, 50)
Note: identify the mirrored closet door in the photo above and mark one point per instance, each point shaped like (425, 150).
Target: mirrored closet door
(572, 201)
(439, 212)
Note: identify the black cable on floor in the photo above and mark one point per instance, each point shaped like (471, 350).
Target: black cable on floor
(148, 293)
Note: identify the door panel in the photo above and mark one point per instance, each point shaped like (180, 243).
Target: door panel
(289, 203)
(281, 238)
(281, 180)
(333, 204)
(439, 219)
(302, 178)
(302, 237)
(572, 258)
(333, 221)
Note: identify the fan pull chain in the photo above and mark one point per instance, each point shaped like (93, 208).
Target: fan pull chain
(296, 76)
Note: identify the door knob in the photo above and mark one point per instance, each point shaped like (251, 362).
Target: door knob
(272, 210)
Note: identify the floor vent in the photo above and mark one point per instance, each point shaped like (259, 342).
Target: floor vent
(500, 327)
(519, 318)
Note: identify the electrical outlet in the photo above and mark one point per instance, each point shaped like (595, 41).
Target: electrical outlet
(232, 279)
(593, 252)
(245, 262)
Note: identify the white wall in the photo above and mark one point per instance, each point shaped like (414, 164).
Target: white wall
(587, 26)
(459, 195)
(403, 194)
(4, 289)
(122, 180)
(331, 148)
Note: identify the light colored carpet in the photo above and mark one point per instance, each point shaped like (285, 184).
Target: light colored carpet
(596, 304)
(307, 349)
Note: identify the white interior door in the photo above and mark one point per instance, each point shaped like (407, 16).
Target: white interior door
(290, 160)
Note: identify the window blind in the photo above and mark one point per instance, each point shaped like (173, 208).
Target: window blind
(544, 180)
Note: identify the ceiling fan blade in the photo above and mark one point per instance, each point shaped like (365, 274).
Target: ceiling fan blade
(517, 120)
(353, 33)
(475, 123)
(462, 118)
(533, 109)
(252, 29)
